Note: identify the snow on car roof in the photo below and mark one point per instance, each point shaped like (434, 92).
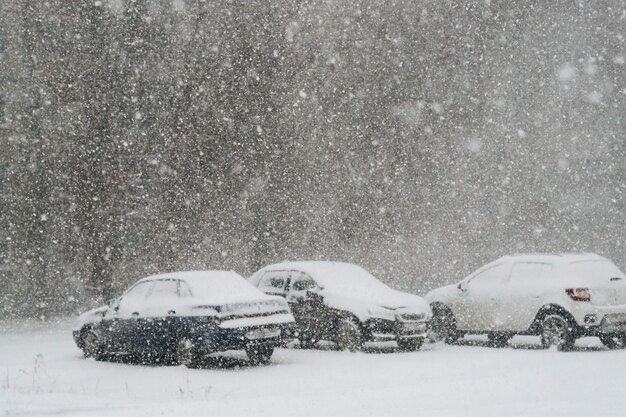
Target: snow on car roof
(334, 275)
(215, 287)
(556, 257)
(194, 275)
(553, 258)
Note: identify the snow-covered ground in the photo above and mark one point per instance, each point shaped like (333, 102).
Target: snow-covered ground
(42, 373)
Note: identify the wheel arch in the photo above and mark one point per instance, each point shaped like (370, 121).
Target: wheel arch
(341, 315)
(549, 309)
(439, 307)
(81, 334)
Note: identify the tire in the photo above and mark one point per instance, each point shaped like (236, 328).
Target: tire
(89, 343)
(410, 345)
(614, 341)
(259, 354)
(349, 335)
(443, 325)
(187, 354)
(306, 340)
(557, 331)
(92, 348)
(498, 340)
(103, 355)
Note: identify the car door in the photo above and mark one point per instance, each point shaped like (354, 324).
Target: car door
(120, 321)
(523, 292)
(476, 307)
(157, 321)
(307, 306)
(275, 282)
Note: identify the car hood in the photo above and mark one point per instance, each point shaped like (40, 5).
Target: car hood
(442, 294)
(382, 305)
(91, 316)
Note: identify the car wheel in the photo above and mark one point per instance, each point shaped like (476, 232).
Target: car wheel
(307, 341)
(443, 325)
(614, 341)
(92, 348)
(557, 331)
(410, 345)
(498, 340)
(259, 354)
(349, 336)
(187, 353)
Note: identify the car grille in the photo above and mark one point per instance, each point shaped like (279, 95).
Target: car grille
(414, 327)
(412, 317)
(381, 326)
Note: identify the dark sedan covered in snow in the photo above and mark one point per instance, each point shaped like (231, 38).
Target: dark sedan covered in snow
(182, 317)
(345, 304)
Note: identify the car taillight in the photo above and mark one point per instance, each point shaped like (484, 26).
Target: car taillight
(579, 294)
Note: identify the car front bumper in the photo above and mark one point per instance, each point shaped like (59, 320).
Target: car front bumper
(77, 338)
(380, 330)
(609, 324)
(593, 320)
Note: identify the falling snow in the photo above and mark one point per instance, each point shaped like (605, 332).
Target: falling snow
(417, 138)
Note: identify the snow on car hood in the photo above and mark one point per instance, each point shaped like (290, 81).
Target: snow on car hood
(90, 316)
(379, 306)
(350, 287)
(441, 294)
(388, 298)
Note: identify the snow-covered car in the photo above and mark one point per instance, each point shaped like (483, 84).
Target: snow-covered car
(343, 303)
(558, 297)
(181, 317)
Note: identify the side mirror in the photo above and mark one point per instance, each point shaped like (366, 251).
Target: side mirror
(114, 304)
(314, 295)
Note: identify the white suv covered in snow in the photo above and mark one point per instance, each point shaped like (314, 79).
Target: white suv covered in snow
(559, 297)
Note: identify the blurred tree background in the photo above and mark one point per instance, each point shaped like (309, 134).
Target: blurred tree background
(418, 138)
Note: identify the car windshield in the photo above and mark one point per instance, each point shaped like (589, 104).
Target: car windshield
(346, 279)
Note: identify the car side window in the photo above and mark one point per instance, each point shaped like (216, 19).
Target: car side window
(135, 296)
(162, 299)
(138, 291)
(488, 279)
(183, 289)
(164, 289)
(529, 273)
(301, 282)
(274, 282)
(303, 285)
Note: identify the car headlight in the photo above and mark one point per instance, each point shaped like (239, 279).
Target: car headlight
(413, 316)
(381, 312)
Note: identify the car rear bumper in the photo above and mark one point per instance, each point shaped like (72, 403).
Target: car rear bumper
(222, 339)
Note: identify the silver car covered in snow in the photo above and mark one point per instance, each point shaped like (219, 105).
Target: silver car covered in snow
(559, 297)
